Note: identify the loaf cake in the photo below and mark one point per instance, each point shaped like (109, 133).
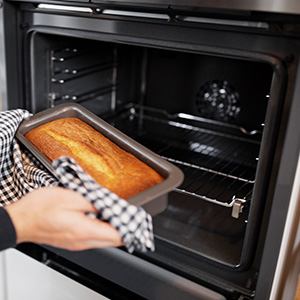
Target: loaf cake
(109, 165)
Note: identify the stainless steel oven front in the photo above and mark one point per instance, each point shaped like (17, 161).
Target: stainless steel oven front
(211, 88)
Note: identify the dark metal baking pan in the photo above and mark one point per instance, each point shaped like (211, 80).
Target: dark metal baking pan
(155, 199)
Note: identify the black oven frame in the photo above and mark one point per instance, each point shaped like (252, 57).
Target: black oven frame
(286, 146)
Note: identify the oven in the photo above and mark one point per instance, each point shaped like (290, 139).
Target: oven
(212, 88)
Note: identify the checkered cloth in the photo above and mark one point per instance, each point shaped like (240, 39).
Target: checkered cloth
(21, 172)
(132, 222)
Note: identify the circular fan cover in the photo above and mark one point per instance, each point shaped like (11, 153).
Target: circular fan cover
(218, 100)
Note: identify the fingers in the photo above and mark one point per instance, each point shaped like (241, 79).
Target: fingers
(104, 236)
(76, 201)
(87, 235)
(56, 216)
(95, 232)
(99, 230)
(68, 198)
(61, 197)
(92, 229)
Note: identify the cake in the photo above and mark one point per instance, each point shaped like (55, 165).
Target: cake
(109, 165)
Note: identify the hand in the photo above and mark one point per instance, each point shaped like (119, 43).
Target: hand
(55, 216)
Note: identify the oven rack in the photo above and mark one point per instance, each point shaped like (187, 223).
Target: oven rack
(236, 204)
(83, 97)
(75, 74)
(219, 165)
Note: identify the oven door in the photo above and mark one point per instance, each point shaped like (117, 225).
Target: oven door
(118, 275)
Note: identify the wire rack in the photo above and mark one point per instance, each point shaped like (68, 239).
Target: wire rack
(218, 160)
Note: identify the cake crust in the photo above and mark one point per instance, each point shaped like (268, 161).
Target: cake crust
(110, 166)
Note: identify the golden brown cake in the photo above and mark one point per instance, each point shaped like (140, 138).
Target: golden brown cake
(111, 166)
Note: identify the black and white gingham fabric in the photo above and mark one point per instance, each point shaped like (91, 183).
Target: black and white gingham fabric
(132, 222)
(21, 172)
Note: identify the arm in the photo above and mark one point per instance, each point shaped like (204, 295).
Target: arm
(7, 230)
(55, 216)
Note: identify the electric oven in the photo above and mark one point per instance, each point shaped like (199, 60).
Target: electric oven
(210, 86)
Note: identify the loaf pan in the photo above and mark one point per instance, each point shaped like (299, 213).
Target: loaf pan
(155, 199)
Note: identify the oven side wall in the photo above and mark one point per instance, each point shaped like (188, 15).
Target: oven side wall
(3, 92)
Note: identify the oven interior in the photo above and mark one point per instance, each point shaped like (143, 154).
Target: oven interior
(205, 113)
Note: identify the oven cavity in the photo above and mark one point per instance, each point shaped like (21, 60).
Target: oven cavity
(203, 113)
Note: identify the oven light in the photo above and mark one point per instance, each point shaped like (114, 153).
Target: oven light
(65, 8)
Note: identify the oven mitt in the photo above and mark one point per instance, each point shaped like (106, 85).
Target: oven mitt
(21, 173)
(133, 223)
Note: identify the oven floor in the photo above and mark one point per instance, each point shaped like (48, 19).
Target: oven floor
(201, 227)
(218, 167)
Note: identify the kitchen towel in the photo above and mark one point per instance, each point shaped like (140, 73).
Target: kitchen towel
(21, 173)
(132, 222)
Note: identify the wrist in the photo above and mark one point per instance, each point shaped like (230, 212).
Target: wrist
(18, 217)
